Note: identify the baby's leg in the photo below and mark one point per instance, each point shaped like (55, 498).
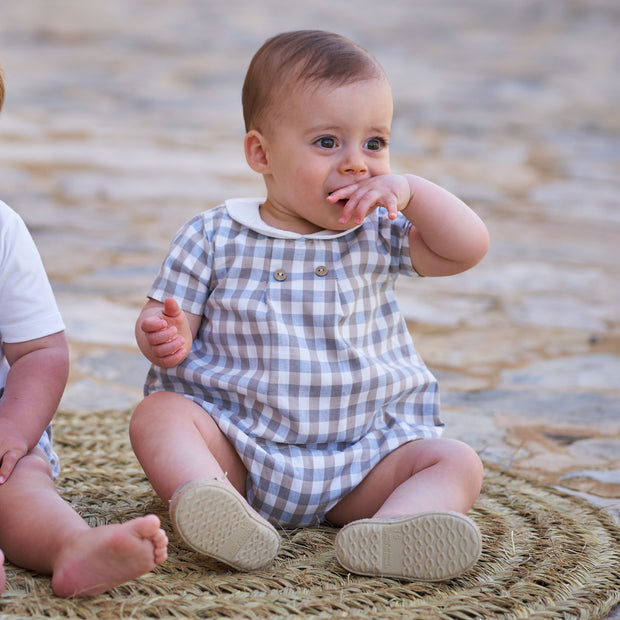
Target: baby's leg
(177, 441)
(41, 532)
(2, 573)
(408, 514)
(427, 474)
(192, 465)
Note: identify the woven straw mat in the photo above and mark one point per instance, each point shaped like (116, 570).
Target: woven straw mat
(545, 555)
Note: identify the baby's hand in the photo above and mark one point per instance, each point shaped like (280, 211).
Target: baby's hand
(167, 337)
(391, 191)
(13, 446)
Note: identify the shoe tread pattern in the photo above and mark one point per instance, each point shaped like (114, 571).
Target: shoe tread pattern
(212, 520)
(433, 546)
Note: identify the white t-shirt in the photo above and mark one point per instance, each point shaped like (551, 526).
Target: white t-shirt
(28, 309)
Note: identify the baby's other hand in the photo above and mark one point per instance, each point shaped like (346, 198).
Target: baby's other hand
(13, 446)
(391, 191)
(167, 337)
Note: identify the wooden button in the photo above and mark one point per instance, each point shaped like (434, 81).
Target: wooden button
(279, 275)
(321, 271)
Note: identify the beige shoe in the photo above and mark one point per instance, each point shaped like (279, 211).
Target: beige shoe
(429, 546)
(213, 519)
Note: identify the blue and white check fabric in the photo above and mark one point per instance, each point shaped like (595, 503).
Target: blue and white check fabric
(302, 357)
(45, 443)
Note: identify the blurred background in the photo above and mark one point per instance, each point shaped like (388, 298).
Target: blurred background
(123, 119)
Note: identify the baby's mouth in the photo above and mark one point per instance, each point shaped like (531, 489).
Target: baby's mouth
(340, 203)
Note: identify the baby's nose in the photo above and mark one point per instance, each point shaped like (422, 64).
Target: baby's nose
(354, 163)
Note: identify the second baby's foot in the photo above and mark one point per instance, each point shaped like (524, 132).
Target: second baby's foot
(429, 546)
(97, 559)
(212, 518)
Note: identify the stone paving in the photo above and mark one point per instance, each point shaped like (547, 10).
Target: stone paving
(123, 119)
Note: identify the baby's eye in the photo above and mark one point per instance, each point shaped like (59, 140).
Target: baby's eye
(375, 144)
(326, 142)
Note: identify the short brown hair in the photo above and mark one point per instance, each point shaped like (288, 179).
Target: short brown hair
(306, 56)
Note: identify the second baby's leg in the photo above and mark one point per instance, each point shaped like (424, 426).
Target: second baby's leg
(176, 441)
(2, 572)
(42, 532)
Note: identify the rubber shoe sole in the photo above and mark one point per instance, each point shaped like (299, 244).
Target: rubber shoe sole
(216, 521)
(429, 546)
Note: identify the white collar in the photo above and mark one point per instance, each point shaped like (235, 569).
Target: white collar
(246, 211)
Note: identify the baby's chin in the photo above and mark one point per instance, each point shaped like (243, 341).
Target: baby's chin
(338, 226)
(337, 207)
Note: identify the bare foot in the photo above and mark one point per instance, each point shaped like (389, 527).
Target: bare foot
(2, 573)
(97, 559)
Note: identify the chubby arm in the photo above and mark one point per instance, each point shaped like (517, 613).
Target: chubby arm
(446, 238)
(34, 386)
(165, 333)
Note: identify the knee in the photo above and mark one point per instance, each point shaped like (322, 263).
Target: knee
(455, 458)
(160, 413)
(465, 459)
(138, 418)
(32, 465)
(149, 412)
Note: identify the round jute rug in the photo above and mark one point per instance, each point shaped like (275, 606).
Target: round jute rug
(546, 555)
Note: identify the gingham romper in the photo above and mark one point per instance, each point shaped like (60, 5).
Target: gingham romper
(302, 357)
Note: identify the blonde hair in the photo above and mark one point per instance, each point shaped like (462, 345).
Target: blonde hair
(301, 57)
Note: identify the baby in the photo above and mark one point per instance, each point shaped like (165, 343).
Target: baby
(38, 529)
(285, 389)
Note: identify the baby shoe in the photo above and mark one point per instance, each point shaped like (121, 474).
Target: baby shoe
(428, 546)
(213, 519)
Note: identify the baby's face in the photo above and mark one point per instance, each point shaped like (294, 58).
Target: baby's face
(326, 137)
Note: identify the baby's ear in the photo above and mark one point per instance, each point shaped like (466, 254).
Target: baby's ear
(255, 151)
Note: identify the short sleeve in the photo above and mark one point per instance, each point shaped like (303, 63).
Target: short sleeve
(186, 270)
(28, 309)
(394, 234)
